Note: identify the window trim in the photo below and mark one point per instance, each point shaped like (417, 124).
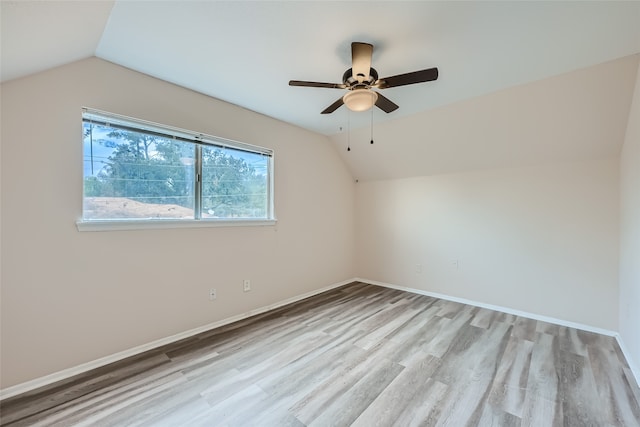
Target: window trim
(156, 224)
(199, 139)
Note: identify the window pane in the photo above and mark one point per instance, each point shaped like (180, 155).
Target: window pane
(234, 184)
(131, 175)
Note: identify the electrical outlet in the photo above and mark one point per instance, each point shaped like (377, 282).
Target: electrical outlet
(246, 285)
(418, 268)
(455, 264)
(213, 294)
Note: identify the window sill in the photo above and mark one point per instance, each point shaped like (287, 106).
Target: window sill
(142, 224)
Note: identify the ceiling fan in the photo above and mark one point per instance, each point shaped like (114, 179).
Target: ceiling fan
(360, 80)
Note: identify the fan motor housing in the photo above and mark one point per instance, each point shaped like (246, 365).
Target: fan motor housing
(347, 78)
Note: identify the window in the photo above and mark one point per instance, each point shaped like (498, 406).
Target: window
(138, 171)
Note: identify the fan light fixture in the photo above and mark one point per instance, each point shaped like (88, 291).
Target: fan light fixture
(360, 99)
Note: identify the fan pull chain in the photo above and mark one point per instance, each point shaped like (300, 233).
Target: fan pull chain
(372, 125)
(348, 131)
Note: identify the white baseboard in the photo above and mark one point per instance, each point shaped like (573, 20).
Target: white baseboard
(70, 372)
(632, 366)
(495, 307)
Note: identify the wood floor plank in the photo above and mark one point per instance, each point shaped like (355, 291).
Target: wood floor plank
(542, 404)
(412, 329)
(572, 342)
(493, 417)
(450, 309)
(615, 394)
(358, 355)
(51, 399)
(524, 329)
(509, 386)
(477, 367)
(393, 319)
(344, 376)
(483, 318)
(410, 398)
(299, 380)
(442, 340)
(357, 398)
(249, 375)
(548, 328)
(580, 405)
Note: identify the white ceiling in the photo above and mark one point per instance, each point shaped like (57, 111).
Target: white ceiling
(246, 52)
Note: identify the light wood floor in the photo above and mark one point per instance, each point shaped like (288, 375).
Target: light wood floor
(359, 355)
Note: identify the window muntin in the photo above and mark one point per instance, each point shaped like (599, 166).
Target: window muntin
(136, 170)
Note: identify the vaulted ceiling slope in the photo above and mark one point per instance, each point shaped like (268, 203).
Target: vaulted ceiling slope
(246, 52)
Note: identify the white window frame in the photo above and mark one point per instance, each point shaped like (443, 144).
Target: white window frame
(199, 139)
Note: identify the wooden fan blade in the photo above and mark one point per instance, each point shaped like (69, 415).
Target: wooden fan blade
(385, 104)
(333, 107)
(317, 84)
(408, 78)
(361, 60)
